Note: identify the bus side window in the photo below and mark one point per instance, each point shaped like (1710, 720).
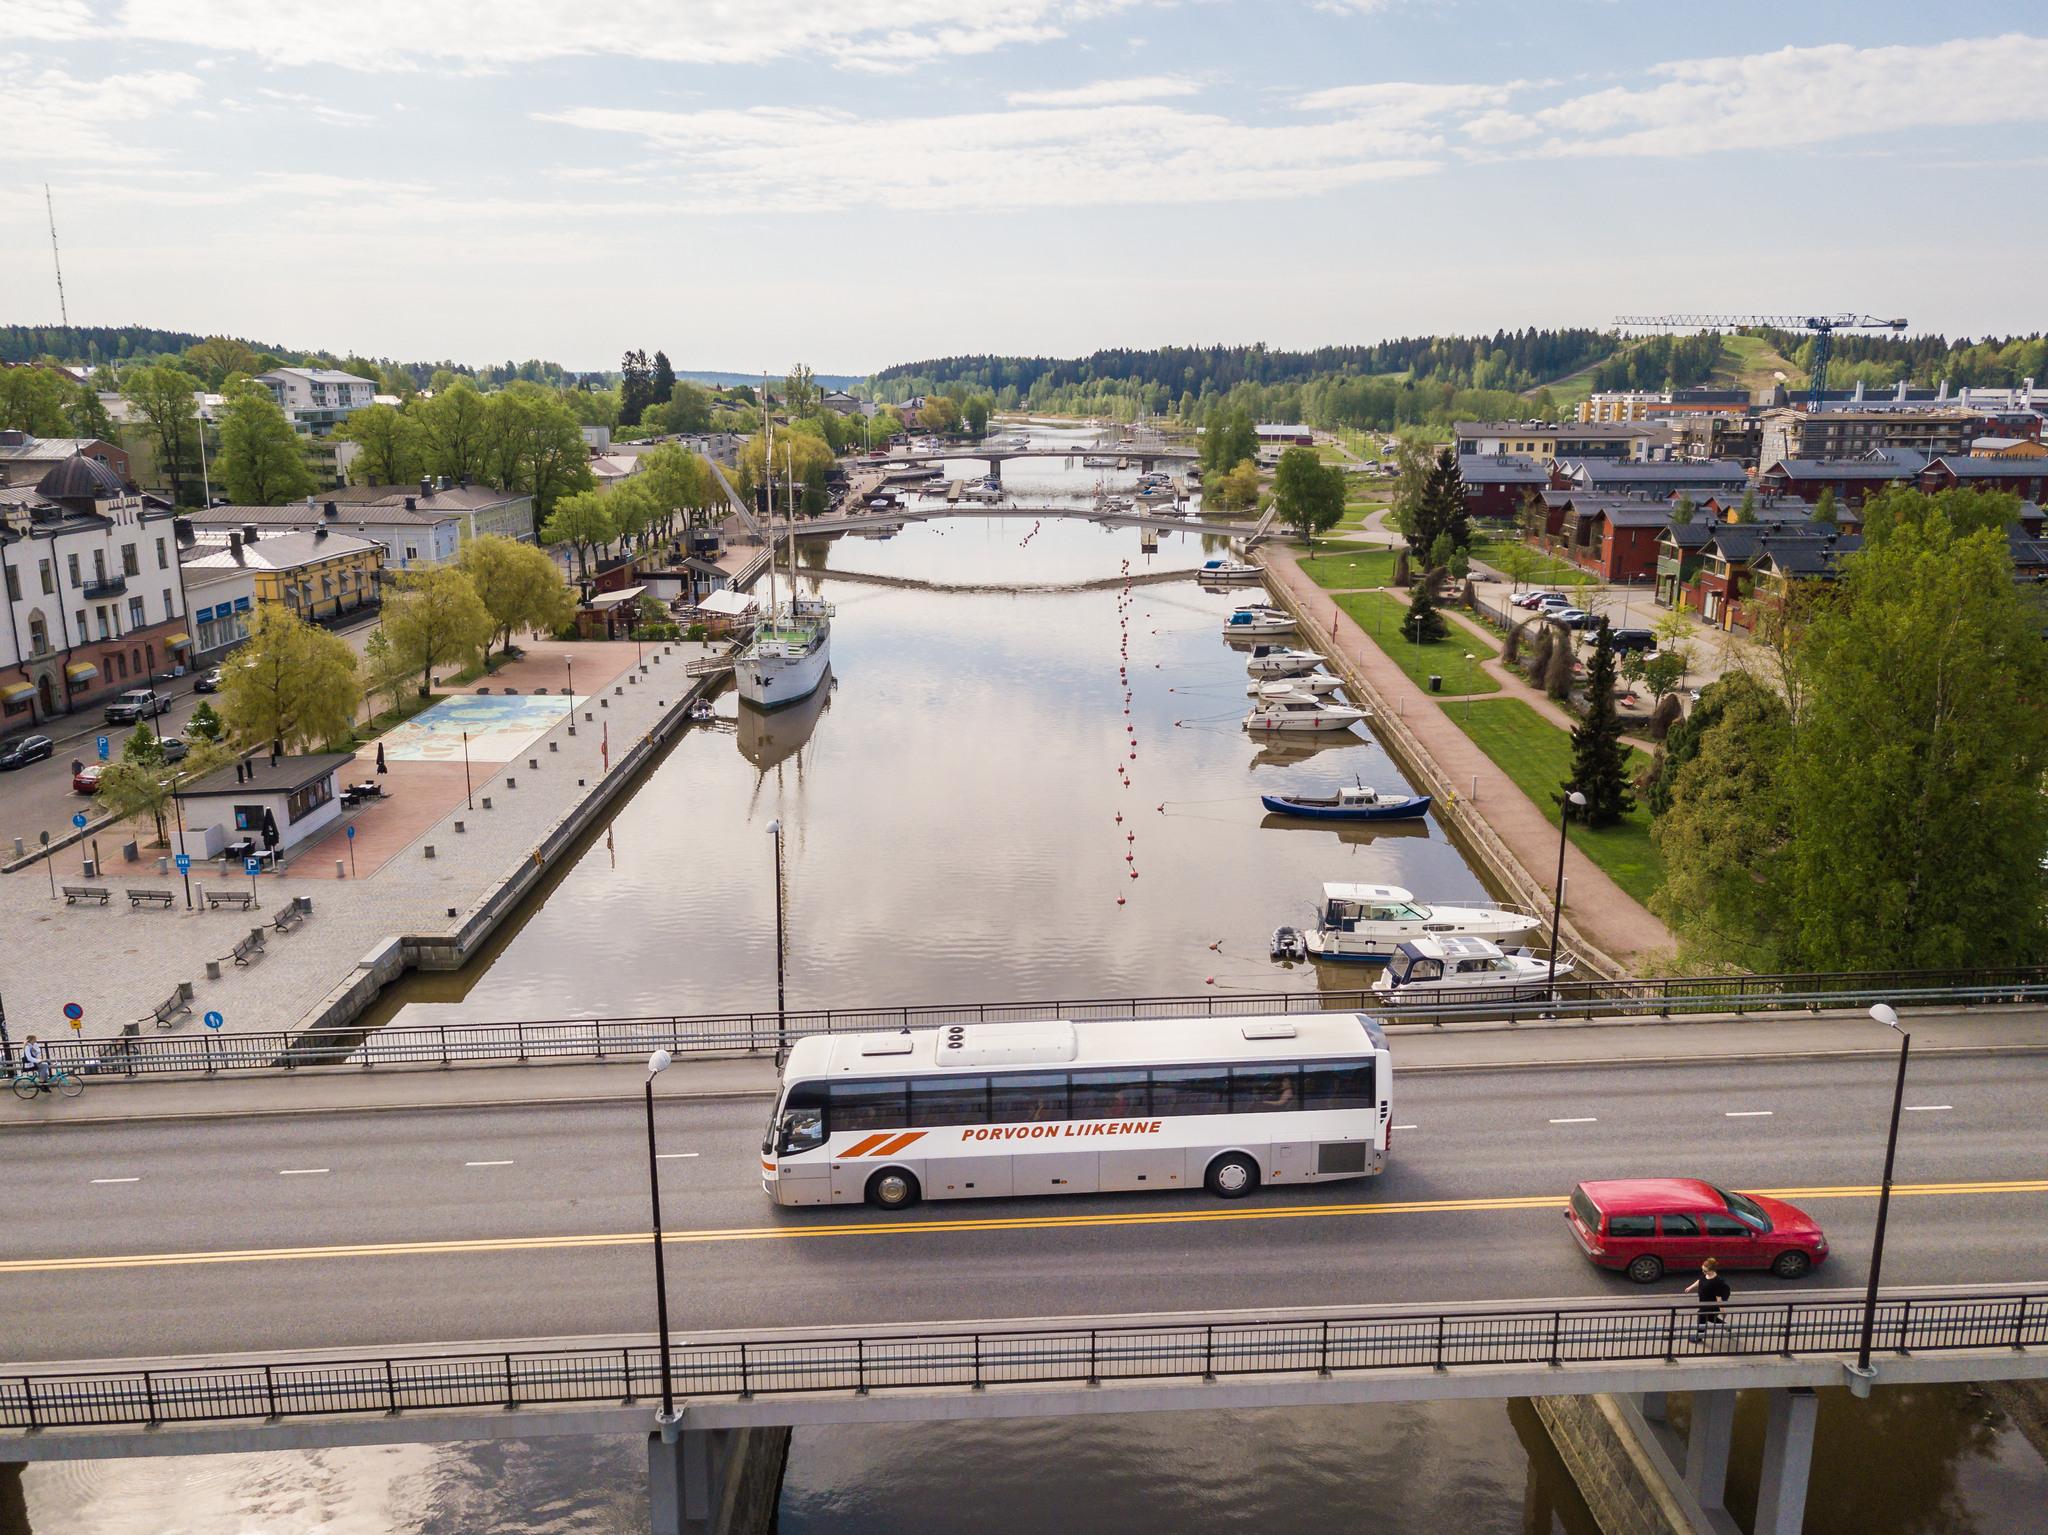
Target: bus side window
(869, 1106)
(1109, 1094)
(1191, 1090)
(1021, 1098)
(948, 1101)
(1263, 1090)
(1338, 1085)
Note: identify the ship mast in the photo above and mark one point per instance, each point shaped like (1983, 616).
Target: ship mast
(768, 474)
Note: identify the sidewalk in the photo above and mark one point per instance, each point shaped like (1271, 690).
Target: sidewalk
(1416, 1047)
(1610, 918)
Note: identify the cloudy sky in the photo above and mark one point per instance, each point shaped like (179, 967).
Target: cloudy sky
(852, 183)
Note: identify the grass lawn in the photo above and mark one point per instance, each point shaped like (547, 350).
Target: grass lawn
(1546, 568)
(1380, 614)
(1537, 755)
(1351, 567)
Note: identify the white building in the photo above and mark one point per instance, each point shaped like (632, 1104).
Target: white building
(317, 398)
(262, 804)
(94, 595)
(411, 539)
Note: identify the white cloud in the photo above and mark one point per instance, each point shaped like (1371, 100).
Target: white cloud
(1104, 93)
(495, 34)
(326, 111)
(1795, 96)
(56, 118)
(49, 21)
(1398, 100)
(792, 159)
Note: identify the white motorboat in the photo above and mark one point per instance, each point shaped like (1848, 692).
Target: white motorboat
(1257, 618)
(1455, 972)
(1366, 923)
(1291, 711)
(1280, 661)
(1228, 570)
(1314, 684)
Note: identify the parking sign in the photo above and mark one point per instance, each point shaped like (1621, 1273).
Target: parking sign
(252, 866)
(184, 863)
(103, 746)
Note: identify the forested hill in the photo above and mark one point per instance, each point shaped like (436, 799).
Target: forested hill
(94, 344)
(1506, 360)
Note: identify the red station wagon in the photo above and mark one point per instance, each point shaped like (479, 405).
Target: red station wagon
(1645, 1226)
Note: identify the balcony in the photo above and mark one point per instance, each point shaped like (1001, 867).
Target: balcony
(106, 586)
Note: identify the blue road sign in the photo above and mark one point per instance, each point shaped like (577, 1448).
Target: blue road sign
(184, 863)
(78, 820)
(252, 866)
(103, 745)
(213, 1020)
(73, 1011)
(351, 834)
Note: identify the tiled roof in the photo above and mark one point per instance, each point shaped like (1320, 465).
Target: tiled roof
(1993, 468)
(1502, 469)
(297, 514)
(1712, 471)
(274, 551)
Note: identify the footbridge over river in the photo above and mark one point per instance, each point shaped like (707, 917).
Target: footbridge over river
(1142, 457)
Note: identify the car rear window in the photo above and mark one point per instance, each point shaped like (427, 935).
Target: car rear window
(1584, 1208)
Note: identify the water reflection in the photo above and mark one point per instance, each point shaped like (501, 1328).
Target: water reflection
(770, 737)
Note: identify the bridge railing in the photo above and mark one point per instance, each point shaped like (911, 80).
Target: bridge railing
(583, 1040)
(1054, 1356)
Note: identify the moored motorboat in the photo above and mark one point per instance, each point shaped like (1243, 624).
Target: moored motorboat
(1457, 972)
(1349, 803)
(1288, 943)
(1290, 711)
(1315, 684)
(1365, 923)
(1280, 661)
(1258, 618)
(1228, 570)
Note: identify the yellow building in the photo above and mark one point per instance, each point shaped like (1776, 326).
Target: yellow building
(317, 574)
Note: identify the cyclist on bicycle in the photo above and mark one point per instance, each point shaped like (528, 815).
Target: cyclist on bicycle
(35, 1062)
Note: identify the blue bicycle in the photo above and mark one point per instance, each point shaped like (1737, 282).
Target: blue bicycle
(55, 1080)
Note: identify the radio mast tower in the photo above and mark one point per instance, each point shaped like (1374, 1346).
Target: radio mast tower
(56, 259)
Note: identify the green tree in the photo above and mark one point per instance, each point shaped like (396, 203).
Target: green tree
(1745, 509)
(219, 358)
(1599, 759)
(976, 411)
(205, 724)
(583, 521)
(162, 396)
(636, 387)
(390, 440)
(86, 414)
(664, 382)
(1914, 780)
(1424, 624)
(1440, 510)
(1228, 439)
(519, 586)
(455, 430)
(1236, 488)
(1824, 508)
(1964, 511)
(1310, 496)
(1414, 463)
(1724, 832)
(434, 616)
(941, 415)
(688, 411)
(800, 392)
(289, 683)
(32, 400)
(386, 673)
(262, 461)
(1682, 510)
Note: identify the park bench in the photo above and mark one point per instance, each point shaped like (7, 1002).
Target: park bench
(241, 900)
(168, 1009)
(289, 918)
(163, 898)
(248, 948)
(74, 893)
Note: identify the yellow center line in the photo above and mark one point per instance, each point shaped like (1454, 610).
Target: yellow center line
(933, 1228)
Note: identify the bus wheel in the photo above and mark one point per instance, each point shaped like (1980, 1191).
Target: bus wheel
(892, 1189)
(1232, 1176)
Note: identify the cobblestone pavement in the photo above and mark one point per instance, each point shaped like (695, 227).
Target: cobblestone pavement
(118, 963)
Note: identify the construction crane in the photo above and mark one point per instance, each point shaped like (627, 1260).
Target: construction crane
(1823, 327)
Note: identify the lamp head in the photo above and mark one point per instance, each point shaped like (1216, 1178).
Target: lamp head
(1576, 798)
(775, 828)
(658, 1062)
(1885, 1014)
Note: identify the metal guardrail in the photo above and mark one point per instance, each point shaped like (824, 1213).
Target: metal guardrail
(557, 1040)
(1058, 1356)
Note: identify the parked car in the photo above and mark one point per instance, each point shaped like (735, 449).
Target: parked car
(87, 779)
(1573, 618)
(1531, 599)
(137, 704)
(175, 748)
(1550, 602)
(207, 682)
(1633, 639)
(28, 749)
(1646, 1226)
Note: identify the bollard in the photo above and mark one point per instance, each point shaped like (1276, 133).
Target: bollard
(163, 866)
(511, 782)
(20, 848)
(534, 763)
(340, 869)
(604, 703)
(459, 827)
(586, 716)
(572, 731)
(430, 850)
(579, 783)
(185, 990)
(306, 903)
(487, 802)
(213, 969)
(555, 746)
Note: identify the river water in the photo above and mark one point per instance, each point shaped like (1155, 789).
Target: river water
(962, 813)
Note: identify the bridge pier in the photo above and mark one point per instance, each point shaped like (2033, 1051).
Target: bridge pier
(1788, 1461)
(1706, 1445)
(714, 1481)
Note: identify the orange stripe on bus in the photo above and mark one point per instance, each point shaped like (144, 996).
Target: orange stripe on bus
(899, 1143)
(862, 1147)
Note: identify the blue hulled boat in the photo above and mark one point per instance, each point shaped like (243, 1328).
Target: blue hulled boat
(1349, 804)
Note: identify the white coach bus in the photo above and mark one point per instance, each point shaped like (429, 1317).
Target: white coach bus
(1079, 1108)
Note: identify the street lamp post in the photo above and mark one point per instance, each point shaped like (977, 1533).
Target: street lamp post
(657, 1063)
(1573, 800)
(466, 790)
(1884, 1014)
(1469, 659)
(781, 1002)
(570, 663)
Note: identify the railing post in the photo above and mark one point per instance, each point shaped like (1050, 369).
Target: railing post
(390, 1388)
(1439, 1365)
(1095, 1379)
(1209, 1351)
(978, 1386)
(149, 1394)
(1905, 1321)
(28, 1397)
(860, 1366)
(1556, 1328)
(270, 1389)
(521, 1028)
(510, 1400)
(626, 1374)
(1671, 1333)
(746, 1381)
(441, 1029)
(1785, 1342)
(1324, 1368)
(2019, 1325)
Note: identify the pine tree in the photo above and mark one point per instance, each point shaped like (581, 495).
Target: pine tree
(636, 387)
(1423, 623)
(1824, 508)
(1599, 760)
(664, 378)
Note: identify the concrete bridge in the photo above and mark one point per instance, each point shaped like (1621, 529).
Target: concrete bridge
(849, 522)
(1145, 457)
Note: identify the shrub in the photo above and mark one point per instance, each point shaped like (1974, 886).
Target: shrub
(1668, 713)
(1557, 670)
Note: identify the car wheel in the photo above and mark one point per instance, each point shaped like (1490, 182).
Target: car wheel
(1791, 1265)
(893, 1189)
(1646, 1269)
(1232, 1176)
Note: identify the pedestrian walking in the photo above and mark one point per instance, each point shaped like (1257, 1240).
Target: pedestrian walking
(380, 757)
(1713, 1290)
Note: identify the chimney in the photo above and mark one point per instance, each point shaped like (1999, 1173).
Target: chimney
(426, 488)
(248, 532)
(443, 483)
(309, 501)
(182, 528)
(319, 532)
(411, 504)
(332, 510)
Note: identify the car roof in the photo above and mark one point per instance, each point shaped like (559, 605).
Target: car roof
(1653, 1196)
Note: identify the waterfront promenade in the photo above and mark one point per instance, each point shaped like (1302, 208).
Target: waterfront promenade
(117, 963)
